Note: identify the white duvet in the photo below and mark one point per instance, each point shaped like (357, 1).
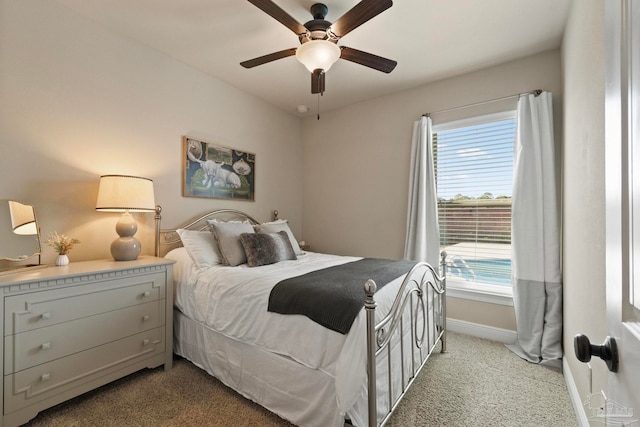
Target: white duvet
(233, 301)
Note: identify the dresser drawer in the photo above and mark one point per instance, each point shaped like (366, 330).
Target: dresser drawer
(47, 380)
(40, 309)
(43, 345)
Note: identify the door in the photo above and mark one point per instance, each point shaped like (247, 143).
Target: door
(621, 406)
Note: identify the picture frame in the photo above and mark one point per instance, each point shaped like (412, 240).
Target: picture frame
(215, 171)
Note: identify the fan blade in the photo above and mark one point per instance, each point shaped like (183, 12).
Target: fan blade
(317, 81)
(367, 59)
(358, 15)
(273, 10)
(268, 58)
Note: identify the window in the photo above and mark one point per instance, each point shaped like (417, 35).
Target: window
(474, 179)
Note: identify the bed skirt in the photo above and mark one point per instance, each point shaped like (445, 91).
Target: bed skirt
(303, 396)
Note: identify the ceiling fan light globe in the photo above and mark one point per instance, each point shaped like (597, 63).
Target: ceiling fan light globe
(318, 54)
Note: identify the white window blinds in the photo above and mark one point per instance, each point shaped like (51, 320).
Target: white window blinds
(474, 178)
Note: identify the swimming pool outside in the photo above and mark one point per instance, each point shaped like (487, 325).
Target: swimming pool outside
(487, 263)
(489, 271)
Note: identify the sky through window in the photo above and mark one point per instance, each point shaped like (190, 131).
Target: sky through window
(475, 161)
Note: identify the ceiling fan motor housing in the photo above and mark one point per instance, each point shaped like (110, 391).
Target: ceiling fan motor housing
(317, 31)
(318, 26)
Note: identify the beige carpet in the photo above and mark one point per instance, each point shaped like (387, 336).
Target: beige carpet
(476, 383)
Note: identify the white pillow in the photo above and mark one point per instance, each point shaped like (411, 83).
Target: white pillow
(201, 247)
(276, 226)
(228, 236)
(183, 266)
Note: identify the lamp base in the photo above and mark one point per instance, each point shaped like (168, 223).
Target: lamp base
(125, 249)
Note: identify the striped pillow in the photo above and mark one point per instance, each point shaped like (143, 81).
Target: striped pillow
(264, 249)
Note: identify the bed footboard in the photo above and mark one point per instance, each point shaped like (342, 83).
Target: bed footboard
(421, 304)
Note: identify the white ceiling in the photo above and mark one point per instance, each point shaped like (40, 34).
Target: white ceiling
(430, 39)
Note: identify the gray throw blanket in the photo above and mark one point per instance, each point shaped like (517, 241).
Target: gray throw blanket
(333, 296)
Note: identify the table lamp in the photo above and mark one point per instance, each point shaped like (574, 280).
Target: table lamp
(123, 193)
(23, 220)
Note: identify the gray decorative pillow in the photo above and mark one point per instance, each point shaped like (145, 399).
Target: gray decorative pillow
(279, 225)
(228, 237)
(263, 249)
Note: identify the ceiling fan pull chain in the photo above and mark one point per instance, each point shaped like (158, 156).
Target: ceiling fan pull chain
(318, 106)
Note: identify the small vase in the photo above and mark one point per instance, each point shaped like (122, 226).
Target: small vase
(62, 260)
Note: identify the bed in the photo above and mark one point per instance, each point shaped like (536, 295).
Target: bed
(307, 373)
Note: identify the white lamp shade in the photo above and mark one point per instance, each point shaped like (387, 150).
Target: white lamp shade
(318, 54)
(23, 219)
(121, 193)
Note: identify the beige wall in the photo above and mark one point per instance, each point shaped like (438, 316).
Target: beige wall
(584, 187)
(77, 102)
(355, 164)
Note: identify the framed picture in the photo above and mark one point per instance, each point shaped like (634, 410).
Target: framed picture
(214, 171)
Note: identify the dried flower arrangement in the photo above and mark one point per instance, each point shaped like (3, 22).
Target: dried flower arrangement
(61, 243)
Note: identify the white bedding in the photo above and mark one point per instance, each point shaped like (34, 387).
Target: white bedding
(233, 301)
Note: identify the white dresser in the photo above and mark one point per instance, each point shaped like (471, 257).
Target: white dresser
(68, 330)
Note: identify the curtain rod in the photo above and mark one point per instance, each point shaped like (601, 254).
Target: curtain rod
(535, 92)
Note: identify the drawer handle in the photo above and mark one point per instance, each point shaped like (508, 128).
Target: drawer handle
(145, 341)
(46, 346)
(145, 317)
(45, 377)
(45, 316)
(146, 293)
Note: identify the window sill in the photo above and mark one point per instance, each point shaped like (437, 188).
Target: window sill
(492, 294)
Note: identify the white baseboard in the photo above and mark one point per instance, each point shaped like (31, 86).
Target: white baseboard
(481, 331)
(578, 406)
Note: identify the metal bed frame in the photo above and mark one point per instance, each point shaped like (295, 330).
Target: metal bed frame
(421, 284)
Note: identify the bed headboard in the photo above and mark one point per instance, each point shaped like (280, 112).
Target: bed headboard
(167, 240)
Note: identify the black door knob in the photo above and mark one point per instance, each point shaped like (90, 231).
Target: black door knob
(608, 351)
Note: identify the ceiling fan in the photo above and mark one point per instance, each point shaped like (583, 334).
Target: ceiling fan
(318, 50)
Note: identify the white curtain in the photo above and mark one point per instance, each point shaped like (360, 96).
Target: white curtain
(535, 238)
(422, 242)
